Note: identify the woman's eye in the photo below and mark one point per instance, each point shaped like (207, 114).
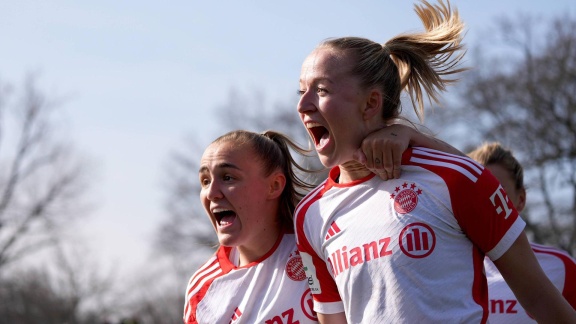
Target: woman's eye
(300, 92)
(321, 90)
(227, 178)
(204, 182)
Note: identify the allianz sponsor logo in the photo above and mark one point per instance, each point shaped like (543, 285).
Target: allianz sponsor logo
(344, 258)
(416, 240)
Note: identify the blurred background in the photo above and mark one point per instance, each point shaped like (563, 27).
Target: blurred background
(106, 107)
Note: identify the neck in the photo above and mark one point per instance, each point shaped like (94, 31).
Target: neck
(263, 243)
(351, 171)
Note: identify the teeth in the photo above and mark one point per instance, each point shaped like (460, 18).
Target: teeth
(312, 124)
(219, 210)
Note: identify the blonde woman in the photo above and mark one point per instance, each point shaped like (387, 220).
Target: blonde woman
(407, 250)
(559, 267)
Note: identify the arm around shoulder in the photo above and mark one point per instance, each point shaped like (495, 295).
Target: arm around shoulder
(381, 151)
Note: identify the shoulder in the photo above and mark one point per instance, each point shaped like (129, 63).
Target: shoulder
(542, 251)
(304, 204)
(443, 164)
(209, 270)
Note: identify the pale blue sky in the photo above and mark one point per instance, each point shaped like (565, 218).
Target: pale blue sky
(140, 75)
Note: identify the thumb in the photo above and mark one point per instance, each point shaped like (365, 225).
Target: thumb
(359, 156)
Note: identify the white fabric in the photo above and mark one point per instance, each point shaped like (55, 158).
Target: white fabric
(504, 307)
(271, 290)
(408, 250)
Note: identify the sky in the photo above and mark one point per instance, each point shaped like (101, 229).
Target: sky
(141, 76)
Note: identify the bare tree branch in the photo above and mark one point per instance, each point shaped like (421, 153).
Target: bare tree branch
(41, 176)
(524, 95)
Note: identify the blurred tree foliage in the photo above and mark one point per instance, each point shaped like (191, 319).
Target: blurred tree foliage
(522, 92)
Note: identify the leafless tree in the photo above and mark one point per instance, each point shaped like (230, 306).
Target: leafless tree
(65, 287)
(155, 298)
(42, 178)
(522, 92)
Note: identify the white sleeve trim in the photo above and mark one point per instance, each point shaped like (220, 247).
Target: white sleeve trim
(329, 308)
(506, 242)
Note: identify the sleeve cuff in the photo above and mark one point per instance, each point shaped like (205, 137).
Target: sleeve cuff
(329, 308)
(506, 242)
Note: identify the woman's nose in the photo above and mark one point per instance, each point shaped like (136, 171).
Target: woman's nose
(213, 191)
(307, 102)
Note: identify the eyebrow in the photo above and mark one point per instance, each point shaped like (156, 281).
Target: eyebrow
(319, 79)
(223, 165)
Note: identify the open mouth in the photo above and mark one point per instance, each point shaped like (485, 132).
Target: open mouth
(224, 217)
(319, 134)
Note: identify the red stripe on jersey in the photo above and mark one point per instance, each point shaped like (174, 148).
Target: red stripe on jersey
(199, 285)
(202, 275)
(552, 250)
(327, 283)
(464, 165)
(330, 233)
(480, 285)
(334, 229)
(457, 171)
(305, 202)
(210, 263)
(569, 290)
(236, 315)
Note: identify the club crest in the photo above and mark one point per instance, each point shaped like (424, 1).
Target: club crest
(406, 197)
(295, 268)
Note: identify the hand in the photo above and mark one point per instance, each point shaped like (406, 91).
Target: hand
(381, 151)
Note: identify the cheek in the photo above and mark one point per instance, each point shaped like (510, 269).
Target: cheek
(204, 201)
(251, 197)
(339, 112)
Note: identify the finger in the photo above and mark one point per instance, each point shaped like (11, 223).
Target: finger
(359, 156)
(381, 173)
(397, 166)
(369, 154)
(394, 162)
(388, 163)
(380, 165)
(377, 163)
(379, 168)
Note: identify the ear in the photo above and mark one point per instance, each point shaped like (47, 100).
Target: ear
(373, 105)
(521, 200)
(277, 184)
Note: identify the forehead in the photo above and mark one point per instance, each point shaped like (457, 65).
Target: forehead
(227, 155)
(325, 63)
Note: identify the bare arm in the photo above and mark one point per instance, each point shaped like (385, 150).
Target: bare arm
(338, 318)
(533, 289)
(381, 151)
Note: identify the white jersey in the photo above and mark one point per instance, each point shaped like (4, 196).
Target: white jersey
(271, 290)
(558, 266)
(406, 250)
